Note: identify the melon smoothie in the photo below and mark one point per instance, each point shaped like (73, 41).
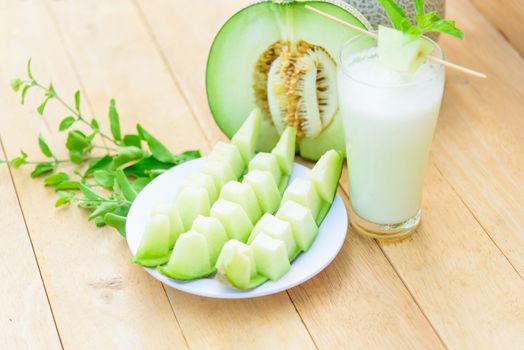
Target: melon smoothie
(389, 119)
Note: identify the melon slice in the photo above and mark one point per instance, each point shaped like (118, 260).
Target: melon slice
(302, 223)
(202, 180)
(266, 190)
(243, 71)
(237, 263)
(401, 51)
(266, 162)
(228, 153)
(154, 245)
(284, 151)
(271, 257)
(278, 229)
(243, 195)
(192, 202)
(213, 230)
(246, 137)
(325, 175)
(189, 259)
(220, 171)
(233, 218)
(176, 226)
(303, 192)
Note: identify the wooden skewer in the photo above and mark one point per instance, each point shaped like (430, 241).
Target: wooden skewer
(375, 36)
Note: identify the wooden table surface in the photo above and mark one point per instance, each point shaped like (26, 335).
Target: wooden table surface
(457, 283)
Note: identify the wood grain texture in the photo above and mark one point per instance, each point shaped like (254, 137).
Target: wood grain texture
(506, 16)
(98, 298)
(26, 321)
(114, 56)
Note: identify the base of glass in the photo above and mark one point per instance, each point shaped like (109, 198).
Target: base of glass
(386, 232)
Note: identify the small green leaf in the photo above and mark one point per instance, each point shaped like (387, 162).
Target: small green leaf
(42, 168)
(127, 190)
(44, 147)
(114, 120)
(50, 93)
(395, 14)
(140, 168)
(24, 92)
(103, 209)
(187, 155)
(56, 179)
(127, 154)
(94, 124)
(99, 221)
(15, 84)
(62, 201)
(77, 100)
(159, 151)
(104, 178)
(116, 221)
(76, 156)
(419, 9)
(448, 27)
(77, 140)
(40, 109)
(105, 162)
(140, 183)
(66, 123)
(29, 74)
(19, 161)
(90, 193)
(68, 185)
(132, 140)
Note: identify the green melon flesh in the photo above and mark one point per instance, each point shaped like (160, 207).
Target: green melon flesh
(233, 218)
(204, 181)
(278, 229)
(246, 137)
(192, 202)
(154, 245)
(330, 138)
(325, 175)
(239, 45)
(284, 151)
(176, 227)
(189, 259)
(304, 192)
(266, 162)
(214, 232)
(302, 223)
(220, 171)
(243, 195)
(237, 263)
(266, 190)
(271, 258)
(400, 51)
(228, 153)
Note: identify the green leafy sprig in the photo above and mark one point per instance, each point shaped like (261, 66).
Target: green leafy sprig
(128, 164)
(426, 22)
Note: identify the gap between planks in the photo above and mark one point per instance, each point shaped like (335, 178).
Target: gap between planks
(4, 153)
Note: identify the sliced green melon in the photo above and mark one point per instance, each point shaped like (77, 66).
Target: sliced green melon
(401, 51)
(220, 171)
(246, 137)
(278, 229)
(303, 192)
(325, 175)
(214, 232)
(237, 263)
(228, 153)
(202, 180)
(266, 190)
(280, 57)
(267, 162)
(271, 257)
(302, 223)
(189, 259)
(284, 151)
(154, 245)
(233, 218)
(243, 195)
(176, 227)
(192, 202)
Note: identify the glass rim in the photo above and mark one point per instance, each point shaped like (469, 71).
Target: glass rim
(440, 54)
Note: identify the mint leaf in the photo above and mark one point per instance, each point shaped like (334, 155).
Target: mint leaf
(15, 84)
(19, 161)
(42, 168)
(116, 221)
(159, 151)
(56, 179)
(68, 185)
(132, 140)
(29, 74)
(40, 109)
(104, 163)
(104, 178)
(127, 154)
(114, 120)
(44, 148)
(127, 190)
(77, 100)
(66, 123)
(446, 26)
(102, 209)
(419, 9)
(396, 14)
(90, 194)
(77, 141)
(24, 92)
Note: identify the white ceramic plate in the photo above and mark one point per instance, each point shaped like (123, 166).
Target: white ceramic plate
(306, 265)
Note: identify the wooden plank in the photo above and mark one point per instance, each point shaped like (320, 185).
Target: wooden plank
(26, 320)
(98, 298)
(506, 16)
(114, 55)
(341, 294)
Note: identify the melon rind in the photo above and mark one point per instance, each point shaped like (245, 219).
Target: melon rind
(154, 245)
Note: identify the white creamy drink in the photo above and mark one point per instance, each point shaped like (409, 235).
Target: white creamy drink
(389, 119)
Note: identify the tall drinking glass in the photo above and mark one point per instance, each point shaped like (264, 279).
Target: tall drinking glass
(389, 119)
